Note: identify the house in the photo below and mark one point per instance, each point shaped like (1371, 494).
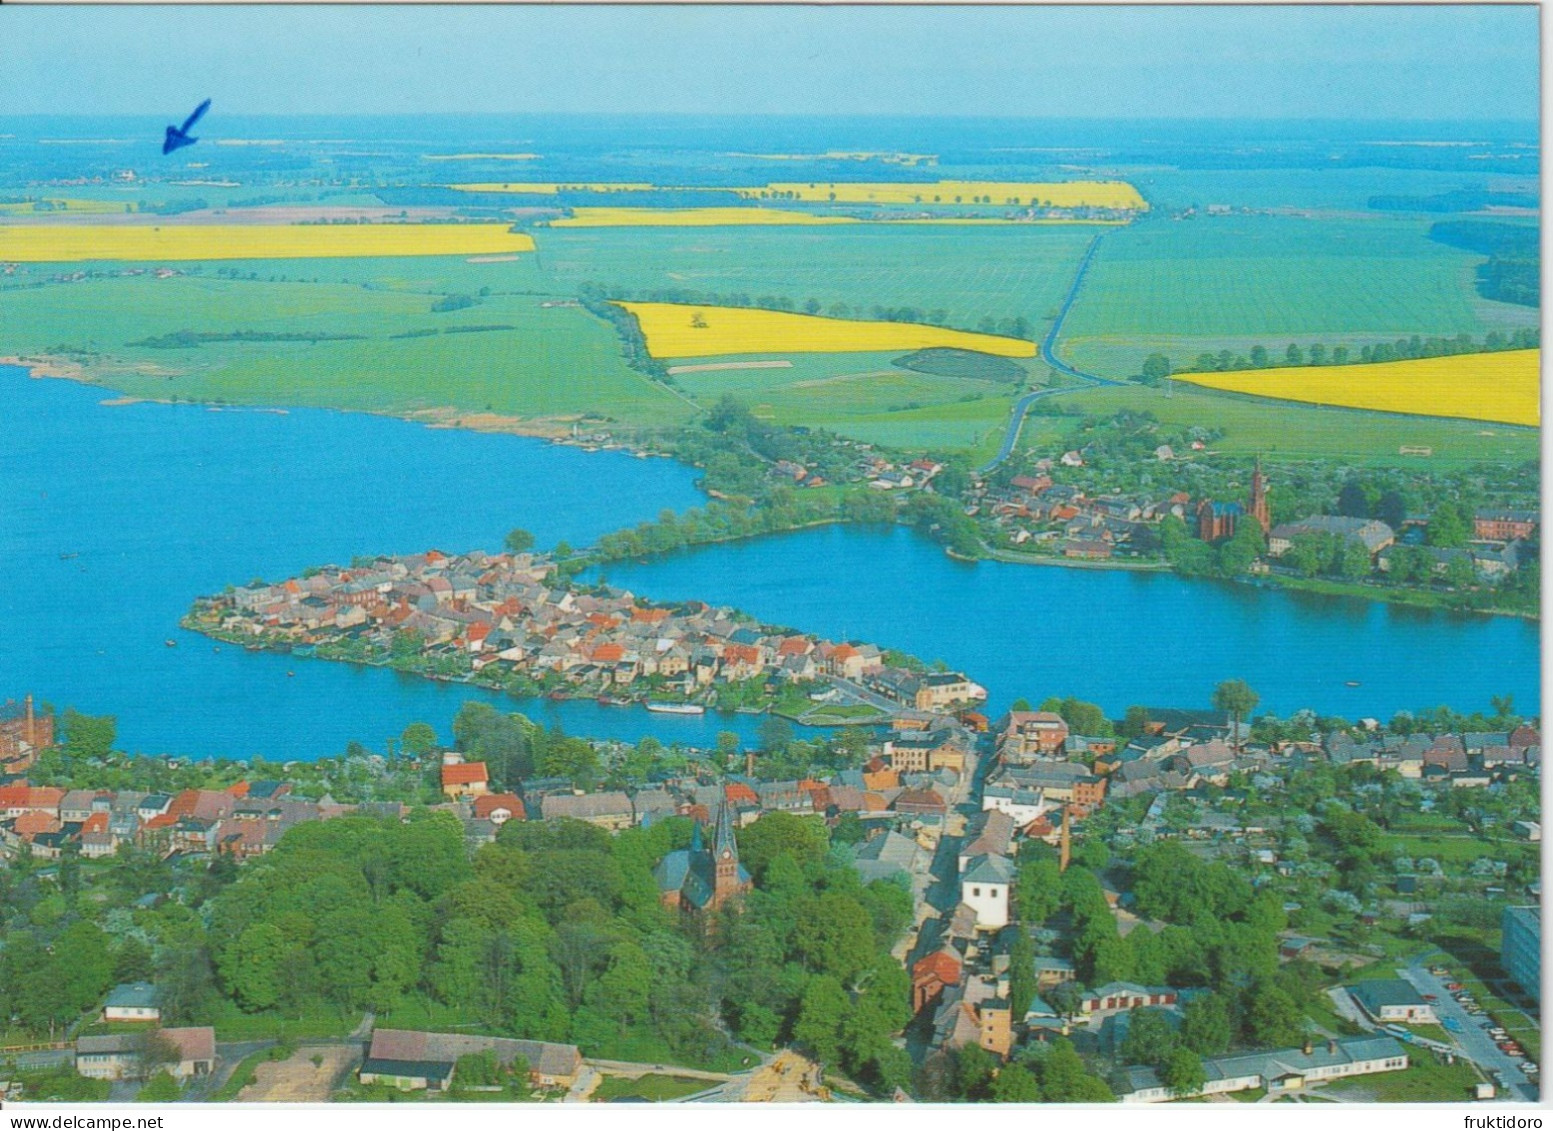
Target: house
(886, 855)
(1281, 1070)
(132, 1001)
(932, 974)
(988, 833)
(117, 1056)
(196, 1051)
(609, 809)
(1505, 525)
(986, 885)
(465, 779)
(1115, 996)
(498, 808)
(1031, 734)
(412, 1061)
(1024, 806)
(1050, 972)
(1391, 1000)
(1372, 534)
(923, 802)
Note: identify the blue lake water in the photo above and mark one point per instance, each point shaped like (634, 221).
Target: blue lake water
(1109, 636)
(157, 504)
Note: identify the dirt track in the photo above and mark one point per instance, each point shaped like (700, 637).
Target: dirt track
(296, 1079)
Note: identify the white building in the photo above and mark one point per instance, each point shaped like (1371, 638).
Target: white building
(985, 887)
(1024, 805)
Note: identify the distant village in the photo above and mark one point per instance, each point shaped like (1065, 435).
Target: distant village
(1037, 514)
(500, 618)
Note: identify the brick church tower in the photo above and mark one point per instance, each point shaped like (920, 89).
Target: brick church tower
(729, 880)
(1258, 500)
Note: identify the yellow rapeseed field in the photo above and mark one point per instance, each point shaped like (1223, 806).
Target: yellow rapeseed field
(59, 243)
(1065, 194)
(1499, 387)
(681, 330)
(689, 217)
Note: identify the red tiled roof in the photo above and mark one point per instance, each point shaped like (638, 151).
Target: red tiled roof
(941, 964)
(740, 794)
(464, 773)
(485, 806)
(609, 653)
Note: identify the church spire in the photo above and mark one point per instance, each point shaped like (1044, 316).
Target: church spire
(727, 880)
(724, 842)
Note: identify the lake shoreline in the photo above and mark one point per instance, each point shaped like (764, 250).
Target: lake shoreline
(557, 430)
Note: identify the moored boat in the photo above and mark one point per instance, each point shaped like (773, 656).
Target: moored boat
(677, 708)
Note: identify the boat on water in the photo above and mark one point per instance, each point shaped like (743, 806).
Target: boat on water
(677, 708)
(613, 701)
(171, 643)
(1352, 683)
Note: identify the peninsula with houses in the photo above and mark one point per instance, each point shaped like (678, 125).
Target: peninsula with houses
(516, 622)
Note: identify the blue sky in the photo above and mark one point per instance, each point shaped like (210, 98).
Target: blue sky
(1426, 62)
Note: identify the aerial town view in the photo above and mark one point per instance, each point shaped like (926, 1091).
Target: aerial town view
(643, 570)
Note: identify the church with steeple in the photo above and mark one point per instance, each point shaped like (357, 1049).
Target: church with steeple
(703, 877)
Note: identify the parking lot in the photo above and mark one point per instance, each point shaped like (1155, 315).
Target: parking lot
(1470, 1033)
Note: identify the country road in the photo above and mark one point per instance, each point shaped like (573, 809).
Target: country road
(1016, 421)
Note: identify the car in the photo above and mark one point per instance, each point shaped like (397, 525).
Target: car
(1454, 987)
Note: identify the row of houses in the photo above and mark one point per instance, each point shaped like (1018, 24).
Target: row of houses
(511, 613)
(1279, 1071)
(1033, 510)
(245, 819)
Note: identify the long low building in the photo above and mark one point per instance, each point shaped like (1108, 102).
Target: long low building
(1282, 1070)
(414, 1060)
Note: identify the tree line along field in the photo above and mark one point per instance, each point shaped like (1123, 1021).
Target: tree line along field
(1186, 287)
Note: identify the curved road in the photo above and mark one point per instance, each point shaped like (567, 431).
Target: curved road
(1049, 355)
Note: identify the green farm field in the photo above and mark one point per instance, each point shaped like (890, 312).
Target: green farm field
(556, 360)
(1186, 287)
(1259, 427)
(861, 395)
(969, 273)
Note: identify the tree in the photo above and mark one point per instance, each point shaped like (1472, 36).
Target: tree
(88, 736)
(1016, 1084)
(1183, 1073)
(1449, 526)
(1156, 367)
(1150, 1038)
(418, 739)
(1135, 723)
(518, 541)
(1353, 500)
(825, 1005)
(1206, 1026)
(160, 1089)
(1236, 697)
